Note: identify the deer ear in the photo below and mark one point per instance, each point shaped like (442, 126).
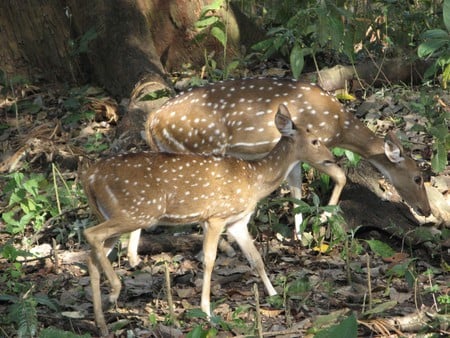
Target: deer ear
(283, 121)
(392, 148)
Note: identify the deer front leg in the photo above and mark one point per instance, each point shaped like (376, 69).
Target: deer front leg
(212, 231)
(294, 180)
(337, 175)
(132, 250)
(239, 231)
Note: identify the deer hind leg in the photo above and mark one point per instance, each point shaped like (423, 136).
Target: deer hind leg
(101, 238)
(239, 231)
(212, 231)
(294, 180)
(94, 274)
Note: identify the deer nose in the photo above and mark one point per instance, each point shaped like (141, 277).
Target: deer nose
(422, 212)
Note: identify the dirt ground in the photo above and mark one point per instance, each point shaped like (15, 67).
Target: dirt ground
(391, 296)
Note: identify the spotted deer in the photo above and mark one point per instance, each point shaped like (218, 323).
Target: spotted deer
(146, 189)
(236, 118)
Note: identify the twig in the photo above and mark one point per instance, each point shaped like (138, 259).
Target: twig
(169, 295)
(258, 311)
(55, 256)
(347, 262)
(297, 332)
(369, 282)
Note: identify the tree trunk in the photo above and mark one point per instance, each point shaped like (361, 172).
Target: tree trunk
(113, 43)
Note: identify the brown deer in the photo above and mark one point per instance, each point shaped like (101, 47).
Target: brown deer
(236, 118)
(146, 189)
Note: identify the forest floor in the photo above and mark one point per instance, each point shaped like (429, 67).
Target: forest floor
(48, 133)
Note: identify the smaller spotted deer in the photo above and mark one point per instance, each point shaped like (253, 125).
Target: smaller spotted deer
(141, 190)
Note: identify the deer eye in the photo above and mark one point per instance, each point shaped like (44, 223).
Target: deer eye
(418, 180)
(315, 143)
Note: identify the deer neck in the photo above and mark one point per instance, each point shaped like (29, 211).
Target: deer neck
(272, 169)
(371, 147)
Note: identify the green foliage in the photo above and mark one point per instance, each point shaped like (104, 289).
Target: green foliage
(208, 328)
(200, 332)
(210, 20)
(95, 143)
(32, 200)
(436, 44)
(403, 269)
(27, 204)
(380, 248)
(74, 104)
(352, 157)
(298, 287)
(80, 45)
(211, 23)
(157, 94)
(271, 211)
(436, 126)
(313, 215)
(314, 27)
(442, 299)
(23, 312)
(346, 328)
(51, 332)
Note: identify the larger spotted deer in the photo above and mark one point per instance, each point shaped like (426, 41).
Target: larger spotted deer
(236, 118)
(141, 190)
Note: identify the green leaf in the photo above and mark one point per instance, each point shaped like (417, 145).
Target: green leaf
(435, 34)
(299, 286)
(212, 7)
(381, 308)
(439, 158)
(297, 61)
(400, 269)
(446, 8)
(347, 328)
(380, 248)
(52, 332)
(338, 151)
(24, 314)
(9, 219)
(220, 35)
(430, 47)
(281, 229)
(301, 207)
(196, 313)
(9, 298)
(440, 132)
(231, 67)
(206, 22)
(262, 45)
(50, 303)
(354, 158)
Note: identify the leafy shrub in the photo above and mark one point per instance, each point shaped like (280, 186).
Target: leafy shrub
(436, 44)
